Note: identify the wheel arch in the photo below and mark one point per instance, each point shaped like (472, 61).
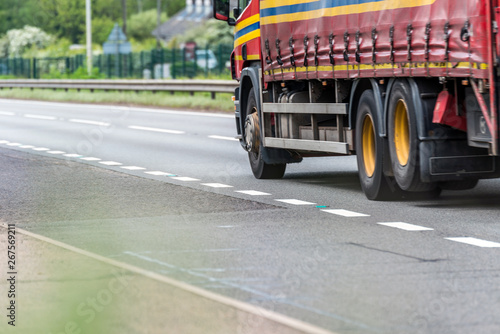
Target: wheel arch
(358, 87)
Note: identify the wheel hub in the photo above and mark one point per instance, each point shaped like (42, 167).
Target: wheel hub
(252, 133)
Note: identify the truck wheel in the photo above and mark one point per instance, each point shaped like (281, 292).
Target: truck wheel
(370, 150)
(403, 140)
(260, 169)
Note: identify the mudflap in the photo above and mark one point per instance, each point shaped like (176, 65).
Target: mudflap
(454, 160)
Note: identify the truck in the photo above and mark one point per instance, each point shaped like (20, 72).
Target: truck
(408, 86)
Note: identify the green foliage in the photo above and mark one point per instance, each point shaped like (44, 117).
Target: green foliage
(80, 73)
(140, 25)
(101, 28)
(174, 6)
(17, 41)
(211, 32)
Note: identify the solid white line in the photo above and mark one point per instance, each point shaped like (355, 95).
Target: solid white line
(294, 201)
(72, 155)
(407, 227)
(85, 121)
(14, 144)
(253, 192)
(216, 185)
(476, 242)
(56, 152)
(48, 118)
(345, 213)
(127, 109)
(7, 113)
(223, 138)
(145, 128)
(40, 149)
(26, 146)
(184, 178)
(133, 168)
(158, 173)
(110, 163)
(245, 307)
(90, 159)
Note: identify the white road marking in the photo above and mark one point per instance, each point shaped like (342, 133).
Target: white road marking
(145, 128)
(253, 192)
(48, 118)
(56, 152)
(158, 173)
(90, 159)
(216, 185)
(14, 144)
(476, 242)
(4, 141)
(133, 168)
(85, 121)
(110, 163)
(294, 201)
(346, 213)
(107, 107)
(72, 155)
(40, 149)
(255, 311)
(6, 113)
(223, 138)
(406, 226)
(184, 178)
(26, 146)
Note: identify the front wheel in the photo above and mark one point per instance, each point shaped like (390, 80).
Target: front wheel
(260, 169)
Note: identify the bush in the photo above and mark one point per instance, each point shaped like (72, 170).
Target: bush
(140, 25)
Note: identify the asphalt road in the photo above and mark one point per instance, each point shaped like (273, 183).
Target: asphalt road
(172, 192)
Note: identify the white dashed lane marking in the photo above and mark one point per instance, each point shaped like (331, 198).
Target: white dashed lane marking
(253, 193)
(7, 113)
(110, 163)
(476, 242)
(158, 173)
(89, 122)
(223, 138)
(294, 201)
(90, 159)
(184, 178)
(216, 185)
(44, 117)
(341, 212)
(133, 168)
(346, 213)
(145, 128)
(406, 226)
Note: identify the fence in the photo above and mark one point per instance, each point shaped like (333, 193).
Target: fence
(154, 64)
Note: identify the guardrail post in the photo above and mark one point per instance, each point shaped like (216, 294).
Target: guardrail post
(173, 63)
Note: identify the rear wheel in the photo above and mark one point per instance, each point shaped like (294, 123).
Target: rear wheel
(370, 150)
(404, 141)
(260, 169)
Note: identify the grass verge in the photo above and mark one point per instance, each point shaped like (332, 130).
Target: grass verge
(198, 101)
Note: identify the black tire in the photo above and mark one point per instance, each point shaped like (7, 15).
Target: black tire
(370, 151)
(260, 169)
(403, 139)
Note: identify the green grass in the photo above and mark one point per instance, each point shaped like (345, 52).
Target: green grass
(199, 101)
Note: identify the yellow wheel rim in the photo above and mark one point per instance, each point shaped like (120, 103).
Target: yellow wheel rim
(402, 133)
(369, 150)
